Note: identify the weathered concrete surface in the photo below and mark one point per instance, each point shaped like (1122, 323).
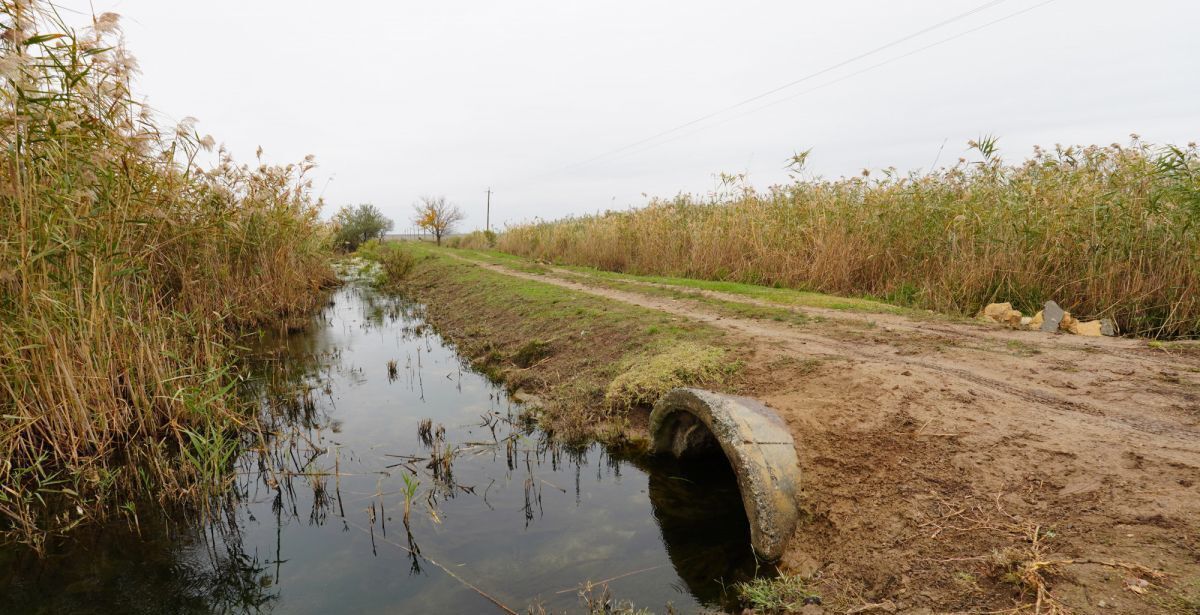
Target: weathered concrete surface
(758, 446)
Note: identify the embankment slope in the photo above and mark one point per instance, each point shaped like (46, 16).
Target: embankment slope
(947, 464)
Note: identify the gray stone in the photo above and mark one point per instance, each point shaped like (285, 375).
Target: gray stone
(1052, 315)
(759, 449)
(1108, 327)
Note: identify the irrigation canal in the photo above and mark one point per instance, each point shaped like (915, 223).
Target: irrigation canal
(315, 523)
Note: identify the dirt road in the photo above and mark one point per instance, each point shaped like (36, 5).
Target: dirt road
(957, 466)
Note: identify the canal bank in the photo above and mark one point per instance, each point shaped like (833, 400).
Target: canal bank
(947, 464)
(590, 367)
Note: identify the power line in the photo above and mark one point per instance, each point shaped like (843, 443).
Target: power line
(785, 86)
(838, 80)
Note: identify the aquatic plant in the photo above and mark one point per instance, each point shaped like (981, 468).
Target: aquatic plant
(1106, 231)
(409, 491)
(128, 273)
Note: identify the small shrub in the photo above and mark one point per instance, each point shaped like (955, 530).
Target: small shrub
(397, 263)
(395, 260)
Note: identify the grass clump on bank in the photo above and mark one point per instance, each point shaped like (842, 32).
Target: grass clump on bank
(782, 594)
(128, 274)
(1105, 231)
(648, 376)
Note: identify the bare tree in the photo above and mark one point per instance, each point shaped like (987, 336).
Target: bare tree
(438, 216)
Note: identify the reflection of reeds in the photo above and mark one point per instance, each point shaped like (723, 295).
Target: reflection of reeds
(533, 492)
(425, 432)
(392, 370)
(371, 519)
(441, 458)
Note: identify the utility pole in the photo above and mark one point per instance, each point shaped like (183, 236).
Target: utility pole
(488, 222)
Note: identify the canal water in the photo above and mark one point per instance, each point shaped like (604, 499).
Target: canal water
(315, 524)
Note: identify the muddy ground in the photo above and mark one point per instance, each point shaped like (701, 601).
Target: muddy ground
(953, 466)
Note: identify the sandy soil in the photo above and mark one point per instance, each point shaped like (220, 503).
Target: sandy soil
(955, 466)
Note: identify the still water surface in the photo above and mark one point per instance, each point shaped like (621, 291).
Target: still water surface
(316, 525)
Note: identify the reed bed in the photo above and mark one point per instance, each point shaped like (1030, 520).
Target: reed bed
(1106, 231)
(128, 275)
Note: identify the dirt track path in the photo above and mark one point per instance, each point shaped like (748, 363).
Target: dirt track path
(929, 447)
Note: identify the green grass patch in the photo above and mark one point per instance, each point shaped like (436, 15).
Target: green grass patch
(1184, 599)
(783, 594)
(782, 296)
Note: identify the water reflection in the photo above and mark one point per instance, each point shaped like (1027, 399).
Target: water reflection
(395, 479)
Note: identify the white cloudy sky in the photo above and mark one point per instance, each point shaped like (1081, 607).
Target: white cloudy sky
(398, 99)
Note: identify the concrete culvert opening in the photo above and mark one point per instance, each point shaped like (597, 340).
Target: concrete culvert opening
(693, 422)
(689, 437)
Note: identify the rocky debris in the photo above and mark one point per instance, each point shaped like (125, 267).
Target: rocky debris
(1002, 313)
(1051, 318)
(1093, 328)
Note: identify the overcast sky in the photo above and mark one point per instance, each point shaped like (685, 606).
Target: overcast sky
(399, 99)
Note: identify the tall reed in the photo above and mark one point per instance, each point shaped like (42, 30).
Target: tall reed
(1106, 231)
(127, 274)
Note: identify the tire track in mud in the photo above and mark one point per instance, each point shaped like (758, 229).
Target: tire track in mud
(931, 326)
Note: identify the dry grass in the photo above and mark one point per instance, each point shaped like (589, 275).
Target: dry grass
(1105, 231)
(475, 240)
(127, 272)
(647, 377)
